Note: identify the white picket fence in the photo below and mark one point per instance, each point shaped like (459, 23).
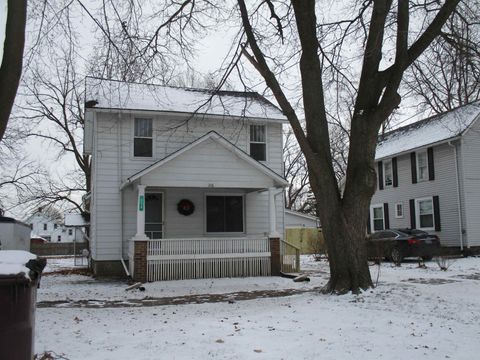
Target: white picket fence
(174, 259)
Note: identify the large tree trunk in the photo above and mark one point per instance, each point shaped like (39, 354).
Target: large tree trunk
(11, 66)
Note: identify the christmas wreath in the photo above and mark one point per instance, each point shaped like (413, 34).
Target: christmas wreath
(185, 207)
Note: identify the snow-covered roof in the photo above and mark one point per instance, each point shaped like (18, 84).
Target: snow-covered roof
(436, 129)
(111, 94)
(12, 262)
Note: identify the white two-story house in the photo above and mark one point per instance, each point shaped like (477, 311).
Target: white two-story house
(428, 177)
(185, 183)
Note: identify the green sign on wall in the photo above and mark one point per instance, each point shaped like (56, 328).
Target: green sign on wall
(141, 202)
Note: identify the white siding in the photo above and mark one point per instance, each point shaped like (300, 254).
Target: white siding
(208, 164)
(471, 183)
(443, 186)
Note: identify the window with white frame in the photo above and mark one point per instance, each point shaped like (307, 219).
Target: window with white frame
(258, 142)
(422, 166)
(377, 217)
(59, 238)
(388, 173)
(224, 213)
(399, 210)
(70, 232)
(143, 138)
(44, 226)
(424, 211)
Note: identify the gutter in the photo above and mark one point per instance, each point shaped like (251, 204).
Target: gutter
(459, 199)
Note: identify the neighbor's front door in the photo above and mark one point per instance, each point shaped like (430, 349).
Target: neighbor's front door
(154, 215)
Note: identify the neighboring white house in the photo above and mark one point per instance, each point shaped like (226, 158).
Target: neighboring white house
(14, 234)
(429, 177)
(295, 219)
(45, 226)
(192, 175)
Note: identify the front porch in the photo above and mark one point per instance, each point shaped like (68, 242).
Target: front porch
(221, 218)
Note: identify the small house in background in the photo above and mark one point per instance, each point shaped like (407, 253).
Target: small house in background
(14, 234)
(428, 178)
(51, 228)
(304, 232)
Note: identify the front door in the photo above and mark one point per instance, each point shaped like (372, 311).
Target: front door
(154, 215)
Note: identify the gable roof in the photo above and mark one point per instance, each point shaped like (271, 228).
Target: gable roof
(433, 130)
(216, 137)
(112, 94)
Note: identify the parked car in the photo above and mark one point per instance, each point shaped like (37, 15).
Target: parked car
(397, 244)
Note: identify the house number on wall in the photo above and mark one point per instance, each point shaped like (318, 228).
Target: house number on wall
(141, 201)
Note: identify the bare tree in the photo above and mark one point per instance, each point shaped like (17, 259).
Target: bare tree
(11, 65)
(298, 194)
(344, 218)
(448, 73)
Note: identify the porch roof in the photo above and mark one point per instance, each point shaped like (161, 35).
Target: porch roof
(209, 161)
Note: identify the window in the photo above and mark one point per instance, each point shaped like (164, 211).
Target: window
(55, 226)
(143, 138)
(422, 166)
(45, 226)
(377, 215)
(70, 232)
(424, 211)
(59, 238)
(224, 214)
(258, 144)
(388, 172)
(399, 210)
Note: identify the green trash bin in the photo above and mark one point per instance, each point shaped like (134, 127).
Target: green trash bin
(20, 273)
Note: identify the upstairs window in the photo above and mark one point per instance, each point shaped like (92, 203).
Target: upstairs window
(422, 166)
(70, 232)
(55, 226)
(44, 226)
(143, 138)
(258, 143)
(388, 173)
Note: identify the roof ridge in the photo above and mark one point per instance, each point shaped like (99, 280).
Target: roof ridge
(435, 117)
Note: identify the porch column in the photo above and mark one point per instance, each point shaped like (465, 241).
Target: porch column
(140, 235)
(272, 212)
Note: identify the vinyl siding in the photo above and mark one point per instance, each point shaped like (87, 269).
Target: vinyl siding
(470, 146)
(113, 163)
(443, 186)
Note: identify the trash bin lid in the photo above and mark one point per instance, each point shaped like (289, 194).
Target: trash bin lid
(13, 263)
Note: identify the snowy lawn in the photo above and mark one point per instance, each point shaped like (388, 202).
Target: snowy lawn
(416, 313)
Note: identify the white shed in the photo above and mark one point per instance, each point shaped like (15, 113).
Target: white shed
(14, 234)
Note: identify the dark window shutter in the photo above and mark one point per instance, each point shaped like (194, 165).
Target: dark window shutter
(431, 166)
(395, 172)
(369, 228)
(413, 160)
(412, 214)
(436, 213)
(386, 217)
(380, 175)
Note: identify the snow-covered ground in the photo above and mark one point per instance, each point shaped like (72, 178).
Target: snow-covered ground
(416, 313)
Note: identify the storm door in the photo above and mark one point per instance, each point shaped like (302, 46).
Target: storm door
(154, 215)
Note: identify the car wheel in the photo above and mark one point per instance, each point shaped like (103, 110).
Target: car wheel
(396, 255)
(427, 258)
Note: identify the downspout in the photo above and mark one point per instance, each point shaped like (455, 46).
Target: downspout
(459, 200)
(119, 168)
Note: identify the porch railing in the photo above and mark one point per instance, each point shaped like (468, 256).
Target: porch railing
(173, 259)
(290, 257)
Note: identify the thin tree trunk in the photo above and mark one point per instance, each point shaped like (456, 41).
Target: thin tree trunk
(11, 66)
